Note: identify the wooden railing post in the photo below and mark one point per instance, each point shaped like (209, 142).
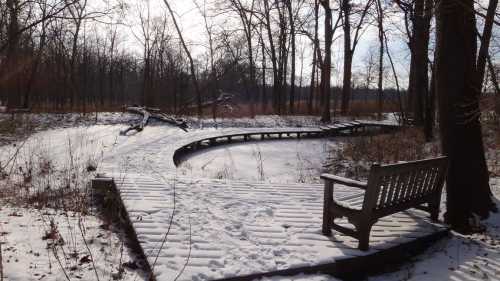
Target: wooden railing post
(327, 205)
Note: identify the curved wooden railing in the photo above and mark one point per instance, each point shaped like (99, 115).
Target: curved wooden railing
(344, 128)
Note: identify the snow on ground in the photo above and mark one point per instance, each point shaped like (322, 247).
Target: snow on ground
(67, 148)
(56, 245)
(58, 156)
(280, 161)
(459, 258)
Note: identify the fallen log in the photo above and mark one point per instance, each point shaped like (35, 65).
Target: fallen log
(148, 113)
(223, 100)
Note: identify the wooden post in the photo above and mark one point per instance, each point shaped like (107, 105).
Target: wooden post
(327, 203)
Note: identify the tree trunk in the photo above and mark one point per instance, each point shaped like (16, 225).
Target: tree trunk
(263, 51)
(314, 62)
(468, 190)
(12, 57)
(485, 43)
(380, 90)
(346, 85)
(292, 39)
(191, 62)
(420, 83)
(273, 55)
(326, 67)
(36, 64)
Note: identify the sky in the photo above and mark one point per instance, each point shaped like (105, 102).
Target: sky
(193, 30)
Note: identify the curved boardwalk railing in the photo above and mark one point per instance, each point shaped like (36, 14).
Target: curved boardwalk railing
(336, 129)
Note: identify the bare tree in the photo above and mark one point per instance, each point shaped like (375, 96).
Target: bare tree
(246, 15)
(292, 20)
(350, 45)
(380, 24)
(191, 62)
(327, 64)
(211, 48)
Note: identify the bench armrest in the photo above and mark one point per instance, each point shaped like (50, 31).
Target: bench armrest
(344, 181)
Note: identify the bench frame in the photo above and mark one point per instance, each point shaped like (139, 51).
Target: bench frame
(390, 189)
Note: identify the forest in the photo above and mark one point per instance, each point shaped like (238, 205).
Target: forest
(249, 139)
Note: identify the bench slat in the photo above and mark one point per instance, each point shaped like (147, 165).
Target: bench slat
(390, 189)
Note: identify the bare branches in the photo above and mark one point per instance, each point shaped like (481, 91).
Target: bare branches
(188, 53)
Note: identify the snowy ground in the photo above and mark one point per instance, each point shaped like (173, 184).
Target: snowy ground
(58, 245)
(22, 228)
(270, 161)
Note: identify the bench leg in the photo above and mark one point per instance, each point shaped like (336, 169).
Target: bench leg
(434, 205)
(363, 230)
(327, 206)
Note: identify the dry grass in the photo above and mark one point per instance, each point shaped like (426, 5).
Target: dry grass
(57, 187)
(360, 153)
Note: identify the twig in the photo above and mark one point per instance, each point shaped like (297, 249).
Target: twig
(87, 246)
(1, 263)
(169, 224)
(189, 253)
(59, 262)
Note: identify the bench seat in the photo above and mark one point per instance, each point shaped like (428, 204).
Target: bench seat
(390, 189)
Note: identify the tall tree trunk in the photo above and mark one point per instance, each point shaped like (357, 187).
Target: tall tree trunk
(191, 62)
(276, 87)
(380, 90)
(485, 43)
(420, 83)
(36, 64)
(292, 39)
(12, 71)
(326, 67)
(263, 51)
(396, 79)
(314, 62)
(468, 190)
(346, 85)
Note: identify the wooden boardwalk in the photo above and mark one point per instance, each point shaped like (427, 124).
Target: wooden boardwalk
(244, 230)
(335, 129)
(206, 229)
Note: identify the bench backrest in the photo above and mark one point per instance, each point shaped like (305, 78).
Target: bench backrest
(395, 187)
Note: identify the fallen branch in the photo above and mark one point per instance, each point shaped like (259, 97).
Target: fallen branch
(148, 113)
(223, 100)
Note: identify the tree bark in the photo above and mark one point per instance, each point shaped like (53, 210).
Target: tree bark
(485, 43)
(380, 91)
(312, 87)
(468, 190)
(326, 67)
(267, 16)
(292, 39)
(420, 47)
(346, 85)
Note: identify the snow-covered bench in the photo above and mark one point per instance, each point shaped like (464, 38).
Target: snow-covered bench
(390, 189)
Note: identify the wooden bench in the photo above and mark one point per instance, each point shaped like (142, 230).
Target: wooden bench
(390, 189)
